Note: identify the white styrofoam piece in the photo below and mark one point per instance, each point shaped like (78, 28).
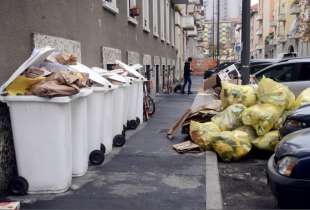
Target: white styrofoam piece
(37, 57)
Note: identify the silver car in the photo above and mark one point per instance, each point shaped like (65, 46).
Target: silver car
(294, 73)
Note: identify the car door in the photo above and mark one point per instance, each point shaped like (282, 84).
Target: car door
(303, 80)
(286, 74)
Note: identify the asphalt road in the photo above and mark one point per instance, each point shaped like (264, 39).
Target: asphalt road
(244, 185)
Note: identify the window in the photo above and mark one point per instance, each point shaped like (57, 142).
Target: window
(155, 18)
(304, 73)
(111, 6)
(281, 73)
(167, 21)
(162, 20)
(133, 11)
(146, 15)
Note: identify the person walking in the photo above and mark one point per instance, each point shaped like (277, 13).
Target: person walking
(187, 76)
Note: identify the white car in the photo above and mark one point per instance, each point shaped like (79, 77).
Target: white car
(294, 73)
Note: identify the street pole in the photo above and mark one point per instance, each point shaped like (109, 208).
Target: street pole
(218, 36)
(245, 40)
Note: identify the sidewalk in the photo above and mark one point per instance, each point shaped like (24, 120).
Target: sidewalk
(146, 174)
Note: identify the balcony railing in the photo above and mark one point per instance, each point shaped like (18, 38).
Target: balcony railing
(273, 23)
(282, 17)
(259, 32)
(192, 33)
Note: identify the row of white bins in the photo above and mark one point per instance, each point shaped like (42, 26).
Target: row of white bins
(57, 138)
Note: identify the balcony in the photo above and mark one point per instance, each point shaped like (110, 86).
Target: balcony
(259, 32)
(187, 22)
(273, 23)
(295, 9)
(259, 18)
(192, 33)
(199, 2)
(282, 17)
(259, 47)
(282, 39)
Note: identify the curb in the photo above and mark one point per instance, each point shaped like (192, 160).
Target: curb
(213, 188)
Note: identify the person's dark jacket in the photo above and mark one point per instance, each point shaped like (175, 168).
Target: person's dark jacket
(187, 69)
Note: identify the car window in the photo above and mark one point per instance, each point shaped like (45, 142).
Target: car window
(280, 73)
(304, 73)
(256, 68)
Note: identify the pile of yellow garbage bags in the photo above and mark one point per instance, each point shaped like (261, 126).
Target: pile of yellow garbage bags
(251, 117)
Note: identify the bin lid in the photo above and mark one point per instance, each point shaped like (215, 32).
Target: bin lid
(131, 69)
(37, 57)
(93, 75)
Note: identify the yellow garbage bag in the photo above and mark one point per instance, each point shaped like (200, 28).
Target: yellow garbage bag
(262, 117)
(249, 130)
(202, 133)
(231, 145)
(237, 94)
(279, 123)
(230, 118)
(303, 98)
(271, 92)
(22, 84)
(268, 142)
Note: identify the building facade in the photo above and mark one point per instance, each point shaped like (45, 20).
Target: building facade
(285, 28)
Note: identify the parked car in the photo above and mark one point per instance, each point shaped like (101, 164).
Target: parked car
(295, 73)
(288, 171)
(257, 64)
(299, 119)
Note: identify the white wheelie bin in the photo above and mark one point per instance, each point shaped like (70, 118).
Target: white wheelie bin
(42, 137)
(132, 113)
(108, 119)
(141, 79)
(80, 129)
(118, 96)
(139, 106)
(96, 103)
(126, 105)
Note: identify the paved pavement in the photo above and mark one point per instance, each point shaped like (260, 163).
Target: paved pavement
(146, 174)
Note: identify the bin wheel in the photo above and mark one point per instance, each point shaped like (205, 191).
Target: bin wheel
(138, 121)
(19, 186)
(119, 141)
(96, 157)
(102, 148)
(132, 124)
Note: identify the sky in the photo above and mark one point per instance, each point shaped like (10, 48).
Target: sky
(254, 2)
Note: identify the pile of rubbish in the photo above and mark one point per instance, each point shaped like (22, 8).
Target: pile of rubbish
(60, 74)
(250, 117)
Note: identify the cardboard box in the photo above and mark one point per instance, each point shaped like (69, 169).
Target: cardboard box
(209, 83)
